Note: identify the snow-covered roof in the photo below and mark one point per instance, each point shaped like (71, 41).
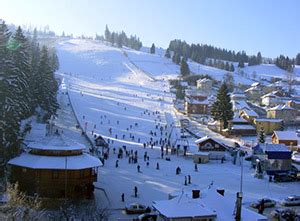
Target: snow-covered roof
(182, 208)
(194, 92)
(250, 112)
(238, 95)
(286, 135)
(269, 120)
(56, 143)
(77, 162)
(202, 139)
(238, 119)
(195, 101)
(274, 147)
(281, 107)
(271, 94)
(255, 84)
(210, 202)
(243, 127)
(203, 80)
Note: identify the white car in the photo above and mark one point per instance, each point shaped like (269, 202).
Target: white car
(136, 208)
(291, 201)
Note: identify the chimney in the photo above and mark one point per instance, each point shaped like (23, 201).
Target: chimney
(221, 191)
(196, 194)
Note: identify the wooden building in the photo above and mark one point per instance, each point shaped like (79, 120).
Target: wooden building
(193, 106)
(215, 148)
(284, 112)
(288, 138)
(268, 125)
(55, 168)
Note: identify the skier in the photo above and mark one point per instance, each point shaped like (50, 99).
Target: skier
(157, 166)
(123, 197)
(189, 179)
(135, 191)
(138, 168)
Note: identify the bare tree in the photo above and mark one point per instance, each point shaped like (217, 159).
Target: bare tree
(290, 79)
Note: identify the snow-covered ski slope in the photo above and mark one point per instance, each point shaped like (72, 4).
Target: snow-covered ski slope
(108, 91)
(106, 88)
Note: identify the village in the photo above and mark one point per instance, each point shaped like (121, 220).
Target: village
(126, 143)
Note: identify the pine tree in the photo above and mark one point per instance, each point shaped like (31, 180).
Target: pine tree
(184, 68)
(152, 49)
(227, 66)
(167, 54)
(261, 136)
(21, 63)
(297, 60)
(259, 58)
(241, 64)
(222, 108)
(231, 68)
(107, 34)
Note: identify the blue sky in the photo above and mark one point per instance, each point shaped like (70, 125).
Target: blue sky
(269, 26)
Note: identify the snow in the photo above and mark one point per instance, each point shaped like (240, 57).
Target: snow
(209, 203)
(104, 86)
(56, 162)
(242, 127)
(286, 135)
(268, 71)
(281, 107)
(56, 143)
(274, 147)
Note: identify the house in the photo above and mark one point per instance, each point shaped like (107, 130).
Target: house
(215, 148)
(284, 112)
(195, 102)
(204, 84)
(193, 106)
(202, 205)
(240, 126)
(238, 96)
(268, 125)
(294, 104)
(201, 157)
(248, 114)
(270, 99)
(289, 138)
(275, 157)
(255, 88)
(55, 168)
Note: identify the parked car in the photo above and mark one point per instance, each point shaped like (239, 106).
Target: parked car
(136, 208)
(291, 201)
(267, 203)
(147, 217)
(283, 177)
(285, 213)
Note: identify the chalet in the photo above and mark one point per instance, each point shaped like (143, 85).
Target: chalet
(289, 138)
(204, 84)
(195, 94)
(284, 112)
(270, 99)
(55, 168)
(193, 106)
(238, 96)
(254, 89)
(268, 125)
(240, 126)
(275, 157)
(205, 205)
(215, 148)
(248, 114)
(294, 104)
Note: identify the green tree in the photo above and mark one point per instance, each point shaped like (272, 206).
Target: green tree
(152, 49)
(231, 68)
(107, 34)
(184, 68)
(241, 64)
(259, 58)
(167, 54)
(261, 135)
(297, 60)
(222, 107)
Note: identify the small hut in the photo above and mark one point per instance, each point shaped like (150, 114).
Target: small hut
(55, 168)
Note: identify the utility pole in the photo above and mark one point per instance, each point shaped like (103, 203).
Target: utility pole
(66, 173)
(238, 209)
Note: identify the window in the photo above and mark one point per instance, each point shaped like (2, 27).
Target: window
(55, 174)
(81, 173)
